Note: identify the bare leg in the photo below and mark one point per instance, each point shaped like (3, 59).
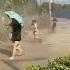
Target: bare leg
(14, 50)
(34, 35)
(52, 28)
(18, 48)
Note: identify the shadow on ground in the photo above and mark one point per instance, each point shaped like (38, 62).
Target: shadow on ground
(11, 63)
(5, 51)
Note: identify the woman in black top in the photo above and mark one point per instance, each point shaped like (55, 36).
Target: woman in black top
(16, 31)
(16, 38)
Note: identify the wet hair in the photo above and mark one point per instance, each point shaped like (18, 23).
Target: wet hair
(54, 19)
(33, 21)
(15, 21)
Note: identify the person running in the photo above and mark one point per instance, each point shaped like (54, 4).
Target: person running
(16, 38)
(54, 24)
(34, 28)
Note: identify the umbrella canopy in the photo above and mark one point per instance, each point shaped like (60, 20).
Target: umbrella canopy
(13, 14)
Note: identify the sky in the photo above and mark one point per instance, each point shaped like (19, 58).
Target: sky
(57, 1)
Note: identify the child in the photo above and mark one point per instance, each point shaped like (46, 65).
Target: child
(34, 28)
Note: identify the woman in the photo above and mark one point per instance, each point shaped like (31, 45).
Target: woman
(54, 24)
(16, 38)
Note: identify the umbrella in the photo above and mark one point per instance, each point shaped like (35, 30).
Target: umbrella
(13, 14)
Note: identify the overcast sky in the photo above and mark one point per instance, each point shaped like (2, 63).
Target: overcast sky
(57, 1)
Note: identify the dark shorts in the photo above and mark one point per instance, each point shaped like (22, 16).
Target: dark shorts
(16, 36)
(54, 25)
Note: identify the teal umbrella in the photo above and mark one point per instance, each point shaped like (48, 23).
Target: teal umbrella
(13, 14)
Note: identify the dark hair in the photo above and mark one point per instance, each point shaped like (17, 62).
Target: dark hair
(15, 21)
(34, 20)
(54, 19)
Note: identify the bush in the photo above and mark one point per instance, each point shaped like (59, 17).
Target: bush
(60, 63)
(35, 67)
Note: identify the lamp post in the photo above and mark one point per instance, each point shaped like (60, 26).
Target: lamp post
(50, 10)
(40, 2)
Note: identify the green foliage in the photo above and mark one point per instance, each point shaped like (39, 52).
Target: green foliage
(35, 67)
(60, 63)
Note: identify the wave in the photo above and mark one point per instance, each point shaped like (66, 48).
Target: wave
(61, 14)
